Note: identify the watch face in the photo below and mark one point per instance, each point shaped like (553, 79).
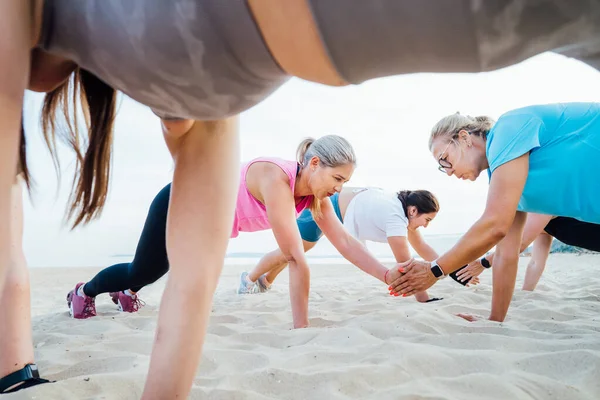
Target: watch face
(437, 271)
(485, 262)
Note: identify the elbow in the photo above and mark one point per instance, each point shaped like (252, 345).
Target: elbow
(176, 128)
(498, 233)
(48, 72)
(294, 262)
(498, 229)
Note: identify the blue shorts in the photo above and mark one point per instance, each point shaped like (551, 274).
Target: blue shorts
(309, 230)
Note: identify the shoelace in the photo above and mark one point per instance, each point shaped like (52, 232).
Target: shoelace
(89, 306)
(138, 303)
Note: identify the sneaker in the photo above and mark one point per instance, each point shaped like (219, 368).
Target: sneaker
(246, 285)
(127, 303)
(80, 307)
(262, 284)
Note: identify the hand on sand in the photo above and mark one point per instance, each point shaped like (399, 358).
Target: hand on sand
(416, 276)
(470, 317)
(473, 281)
(473, 270)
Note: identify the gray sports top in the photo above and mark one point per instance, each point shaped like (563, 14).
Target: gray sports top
(198, 59)
(205, 59)
(375, 38)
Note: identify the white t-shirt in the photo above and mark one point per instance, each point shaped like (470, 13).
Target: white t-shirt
(375, 215)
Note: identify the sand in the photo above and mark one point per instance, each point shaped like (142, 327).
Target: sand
(363, 344)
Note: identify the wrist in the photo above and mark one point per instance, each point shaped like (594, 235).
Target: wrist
(495, 317)
(485, 263)
(436, 270)
(385, 277)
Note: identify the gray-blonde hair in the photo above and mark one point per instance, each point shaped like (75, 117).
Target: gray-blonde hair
(332, 151)
(448, 127)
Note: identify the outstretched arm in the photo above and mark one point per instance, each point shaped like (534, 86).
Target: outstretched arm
(534, 227)
(280, 204)
(16, 37)
(421, 247)
(505, 270)
(506, 187)
(351, 248)
(399, 246)
(206, 161)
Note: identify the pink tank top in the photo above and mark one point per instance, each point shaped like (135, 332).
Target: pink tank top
(251, 214)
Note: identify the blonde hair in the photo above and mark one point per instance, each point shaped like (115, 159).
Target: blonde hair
(448, 127)
(332, 151)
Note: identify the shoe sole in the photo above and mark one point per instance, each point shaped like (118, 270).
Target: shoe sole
(70, 303)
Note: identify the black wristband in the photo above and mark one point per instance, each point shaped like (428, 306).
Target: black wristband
(453, 275)
(434, 299)
(26, 377)
(485, 263)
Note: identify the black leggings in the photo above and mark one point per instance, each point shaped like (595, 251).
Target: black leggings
(150, 262)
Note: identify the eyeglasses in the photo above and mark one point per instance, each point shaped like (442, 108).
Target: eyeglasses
(444, 164)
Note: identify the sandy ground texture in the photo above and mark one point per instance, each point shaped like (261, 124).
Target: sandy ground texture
(362, 343)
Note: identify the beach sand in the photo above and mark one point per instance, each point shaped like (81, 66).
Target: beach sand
(362, 344)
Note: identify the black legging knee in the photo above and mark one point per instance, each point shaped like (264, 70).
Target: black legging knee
(150, 261)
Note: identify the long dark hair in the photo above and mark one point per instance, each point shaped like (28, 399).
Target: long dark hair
(22, 168)
(93, 153)
(424, 201)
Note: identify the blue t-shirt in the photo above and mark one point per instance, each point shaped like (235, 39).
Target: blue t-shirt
(563, 142)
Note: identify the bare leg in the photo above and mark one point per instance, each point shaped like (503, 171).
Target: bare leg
(535, 268)
(16, 349)
(199, 224)
(273, 263)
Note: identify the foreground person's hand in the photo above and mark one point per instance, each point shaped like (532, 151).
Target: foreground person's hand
(416, 277)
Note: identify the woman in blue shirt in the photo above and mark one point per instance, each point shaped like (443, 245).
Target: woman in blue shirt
(540, 159)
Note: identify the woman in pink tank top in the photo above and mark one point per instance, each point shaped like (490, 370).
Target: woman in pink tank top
(271, 194)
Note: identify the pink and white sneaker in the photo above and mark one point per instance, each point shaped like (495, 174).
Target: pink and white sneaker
(80, 307)
(127, 303)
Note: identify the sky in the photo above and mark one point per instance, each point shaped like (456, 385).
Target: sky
(387, 121)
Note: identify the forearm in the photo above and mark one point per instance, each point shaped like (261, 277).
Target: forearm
(355, 252)
(480, 238)
(427, 253)
(15, 319)
(182, 323)
(15, 45)
(504, 277)
(197, 237)
(299, 289)
(422, 297)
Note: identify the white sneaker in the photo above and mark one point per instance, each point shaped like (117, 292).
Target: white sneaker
(246, 285)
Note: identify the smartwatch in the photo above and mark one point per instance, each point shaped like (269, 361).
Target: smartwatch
(485, 263)
(436, 270)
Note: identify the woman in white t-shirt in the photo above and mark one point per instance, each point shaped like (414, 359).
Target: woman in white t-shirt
(368, 214)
